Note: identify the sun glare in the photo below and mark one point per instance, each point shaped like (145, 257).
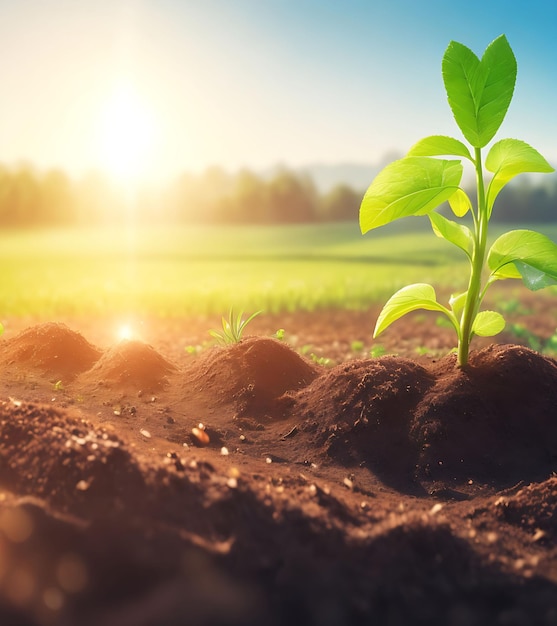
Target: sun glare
(125, 333)
(126, 134)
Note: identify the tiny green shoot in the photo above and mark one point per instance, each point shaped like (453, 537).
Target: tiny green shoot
(232, 328)
(479, 92)
(320, 360)
(377, 351)
(280, 334)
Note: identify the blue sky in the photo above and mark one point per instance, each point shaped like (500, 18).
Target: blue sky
(254, 83)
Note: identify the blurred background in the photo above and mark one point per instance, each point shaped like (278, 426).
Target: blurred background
(134, 134)
(258, 111)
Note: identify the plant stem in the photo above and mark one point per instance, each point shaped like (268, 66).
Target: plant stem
(473, 297)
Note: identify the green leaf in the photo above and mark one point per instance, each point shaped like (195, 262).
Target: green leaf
(479, 92)
(439, 145)
(407, 299)
(458, 234)
(409, 186)
(457, 302)
(460, 203)
(534, 278)
(488, 323)
(524, 254)
(508, 158)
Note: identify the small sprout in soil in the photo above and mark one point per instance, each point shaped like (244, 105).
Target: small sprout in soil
(280, 334)
(550, 346)
(533, 341)
(377, 351)
(423, 350)
(320, 360)
(58, 386)
(232, 328)
(357, 345)
(479, 92)
(513, 306)
(521, 332)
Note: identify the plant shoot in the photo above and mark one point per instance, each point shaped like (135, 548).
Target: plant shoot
(479, 92)
(232, 328)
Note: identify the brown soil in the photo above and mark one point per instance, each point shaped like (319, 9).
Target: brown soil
(396, 490)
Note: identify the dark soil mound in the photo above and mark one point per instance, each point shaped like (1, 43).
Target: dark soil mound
(130, 365)
(533, 508)
(114, 538)
(52, 349)
(254, 374)
(361, 412)
(495, 420)
(51, 453)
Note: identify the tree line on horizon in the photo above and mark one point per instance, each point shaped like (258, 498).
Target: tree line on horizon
(29, 198)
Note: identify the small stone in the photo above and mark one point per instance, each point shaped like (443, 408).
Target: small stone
(435, 508)
(268, 460)
(145, 433)
(539, 534)
(201, 438)
(224, 451)
(82, 485)
(348, 483)
(232, 483)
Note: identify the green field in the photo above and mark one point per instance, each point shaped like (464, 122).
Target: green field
(174, 271)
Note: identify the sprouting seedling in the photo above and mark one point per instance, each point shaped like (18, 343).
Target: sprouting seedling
(232, 328)
(280, 334)
(479, 93)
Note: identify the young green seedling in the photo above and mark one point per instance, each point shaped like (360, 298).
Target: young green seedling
(232, 328)
(479, 93)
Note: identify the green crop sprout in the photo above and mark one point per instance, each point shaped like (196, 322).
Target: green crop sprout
(232, 328)
(479, 93)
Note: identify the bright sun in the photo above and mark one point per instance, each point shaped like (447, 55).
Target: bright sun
(126, 134)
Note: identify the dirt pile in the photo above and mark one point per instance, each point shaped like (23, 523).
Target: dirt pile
(52, 349)
(376, 491)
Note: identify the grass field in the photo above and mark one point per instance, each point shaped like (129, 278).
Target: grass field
(174, 271)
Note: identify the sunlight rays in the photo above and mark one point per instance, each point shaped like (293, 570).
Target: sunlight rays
(126, 135)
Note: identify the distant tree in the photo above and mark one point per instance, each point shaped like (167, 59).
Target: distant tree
(292, 199)
(19, 197)
(58, 202)
(526, 202)
(340, 203)
(247, 201)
